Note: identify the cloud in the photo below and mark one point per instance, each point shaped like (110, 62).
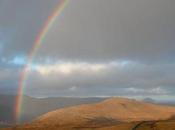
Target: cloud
(8, 80)
(113, 78)
(92, 30)
(62, 78)
(68, 68)
(152, 91)
(21, 21)
(73, 88)
(116, 47)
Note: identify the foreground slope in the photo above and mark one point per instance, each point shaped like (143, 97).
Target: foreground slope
(120, 113)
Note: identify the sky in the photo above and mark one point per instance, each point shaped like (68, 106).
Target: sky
(94, 48)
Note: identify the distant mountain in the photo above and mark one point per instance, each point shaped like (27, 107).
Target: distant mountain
(149, 100)
(111, 112)
(34, 107)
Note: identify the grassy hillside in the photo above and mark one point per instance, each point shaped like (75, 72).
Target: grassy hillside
(111, 114)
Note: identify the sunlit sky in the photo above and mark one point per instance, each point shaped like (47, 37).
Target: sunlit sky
(94, 48)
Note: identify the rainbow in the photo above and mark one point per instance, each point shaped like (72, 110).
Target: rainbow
(37, 43)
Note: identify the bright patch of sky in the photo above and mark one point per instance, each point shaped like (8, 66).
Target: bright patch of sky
(18, 60)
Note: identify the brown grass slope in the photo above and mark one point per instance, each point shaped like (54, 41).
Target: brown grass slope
(151, 125)
(114, 113)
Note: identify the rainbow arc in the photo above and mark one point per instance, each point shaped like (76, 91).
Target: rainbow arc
(38, 41)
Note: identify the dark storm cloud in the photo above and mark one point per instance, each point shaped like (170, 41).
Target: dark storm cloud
(136, 34)
(20, 22)
(92, 30)
(114, 29)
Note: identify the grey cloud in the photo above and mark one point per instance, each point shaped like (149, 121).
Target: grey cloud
(20, 23)
(133, 79)
(8, 80)
(92, 31)
(114, 29)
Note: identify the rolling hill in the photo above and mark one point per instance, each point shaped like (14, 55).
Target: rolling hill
(114, 113)
(34, 107)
